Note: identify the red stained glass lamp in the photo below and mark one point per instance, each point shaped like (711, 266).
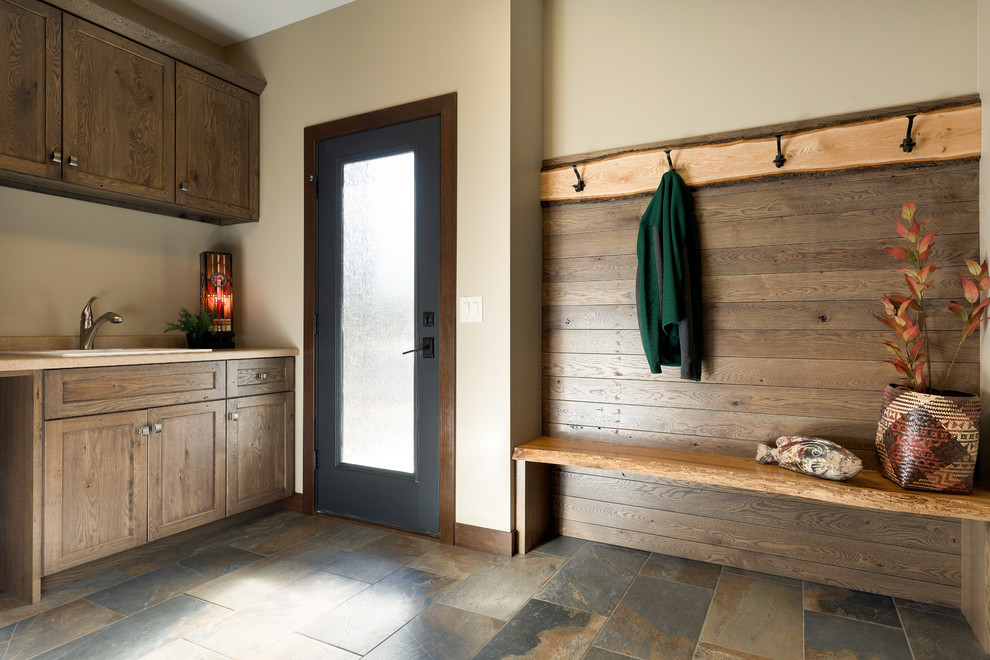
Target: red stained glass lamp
(217, 294)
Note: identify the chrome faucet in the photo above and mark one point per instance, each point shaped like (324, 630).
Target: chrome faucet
(89, 327)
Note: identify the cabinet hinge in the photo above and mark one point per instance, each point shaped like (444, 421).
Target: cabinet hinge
(316, 460)
(316, 324)
(316, 186)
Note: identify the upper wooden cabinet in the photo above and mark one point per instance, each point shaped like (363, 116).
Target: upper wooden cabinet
(118, 100)
(216, 144)
(90, 113)
(30, 87)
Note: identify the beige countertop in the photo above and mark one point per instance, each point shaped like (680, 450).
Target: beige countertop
(13, 364)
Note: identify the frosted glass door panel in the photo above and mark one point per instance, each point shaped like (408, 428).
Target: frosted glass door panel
(377, 313)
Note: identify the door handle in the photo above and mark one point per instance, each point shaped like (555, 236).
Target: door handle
(427, 349)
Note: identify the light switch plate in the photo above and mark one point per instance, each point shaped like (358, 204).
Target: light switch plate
(471, 309)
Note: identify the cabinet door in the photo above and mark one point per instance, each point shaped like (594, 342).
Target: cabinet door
(30, 89)
(95, 488)
(186, 467)
(216, 145)
(260, 437)
(118, 117)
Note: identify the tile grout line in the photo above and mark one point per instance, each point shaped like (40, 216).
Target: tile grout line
(721, 572)
(907, 639)
(639, 572)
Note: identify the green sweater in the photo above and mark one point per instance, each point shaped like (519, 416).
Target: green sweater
(668, 280)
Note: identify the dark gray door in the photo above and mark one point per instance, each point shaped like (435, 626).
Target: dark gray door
(378, 237)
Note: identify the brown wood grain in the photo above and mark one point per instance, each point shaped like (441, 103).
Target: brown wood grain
(862, 405)
(808, 258)
(118, 129)
(854, 434)
(949, 134)
(925, 565)
(976, 586)
(777, 315)
(870, 197)
(888, 585)
(260, 376)
(71, 392)
(820, 344)
(20, 486)
(96, 488)
(31, 89)
(260, 450)
(773, 287)
(680, 441)
(867, 489)
(484, 539)
(796, 126)
(216, 145)
(816, 374)
(101, 16)
(921, 533)
(532, 504)
(186, 467)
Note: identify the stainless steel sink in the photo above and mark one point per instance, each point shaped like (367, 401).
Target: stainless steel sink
(105, 352)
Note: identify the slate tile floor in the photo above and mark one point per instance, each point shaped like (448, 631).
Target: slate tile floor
(290, 587)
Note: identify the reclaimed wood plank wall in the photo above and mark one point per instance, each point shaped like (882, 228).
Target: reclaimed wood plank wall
(792, 273)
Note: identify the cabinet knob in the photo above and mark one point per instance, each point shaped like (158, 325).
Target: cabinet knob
(73, 161)
(56, 156)
(156, 428)
(263, 376)
(233, 416)
(144, 430)
(183, 187)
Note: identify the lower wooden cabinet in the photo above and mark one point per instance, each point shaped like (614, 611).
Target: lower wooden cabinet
(187, 470)
(95, 488)
(117, 480)
(259, 450)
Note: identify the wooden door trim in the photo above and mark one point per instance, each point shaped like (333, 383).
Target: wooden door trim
(446, 107)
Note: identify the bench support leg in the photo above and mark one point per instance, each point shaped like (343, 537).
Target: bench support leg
(532, 504)
(976, 578)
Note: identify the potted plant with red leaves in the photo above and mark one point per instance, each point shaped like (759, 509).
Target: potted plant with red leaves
(927, 439)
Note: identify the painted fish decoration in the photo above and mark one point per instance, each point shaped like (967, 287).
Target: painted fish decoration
(814, 456)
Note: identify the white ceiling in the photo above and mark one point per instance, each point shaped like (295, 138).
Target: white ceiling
(226, 22)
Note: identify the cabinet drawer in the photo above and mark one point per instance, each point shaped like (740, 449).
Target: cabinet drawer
(93, 390)
(259, 376)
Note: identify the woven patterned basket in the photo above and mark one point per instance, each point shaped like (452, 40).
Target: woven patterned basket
(928, 441)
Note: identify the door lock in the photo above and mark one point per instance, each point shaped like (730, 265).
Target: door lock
(427, 348)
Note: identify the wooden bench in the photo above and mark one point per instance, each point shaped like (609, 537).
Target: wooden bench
(866, 490)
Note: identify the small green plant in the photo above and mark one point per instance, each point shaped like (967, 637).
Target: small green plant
(905, 315)
(196, 323)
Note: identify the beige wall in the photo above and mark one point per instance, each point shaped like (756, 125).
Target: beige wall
(628, 72)
(55, 253)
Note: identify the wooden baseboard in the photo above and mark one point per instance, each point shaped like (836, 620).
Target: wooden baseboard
(295, 503)
(482, 538)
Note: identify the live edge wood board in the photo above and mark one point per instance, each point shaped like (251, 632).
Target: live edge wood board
(792, 272)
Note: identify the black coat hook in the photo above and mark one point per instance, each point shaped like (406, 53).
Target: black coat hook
(779, 160)
(579, 186)
(669, 162)
(908, 144)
